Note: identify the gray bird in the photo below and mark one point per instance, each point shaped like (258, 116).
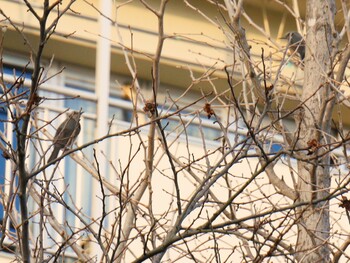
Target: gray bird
(296, 43)
(66, 134)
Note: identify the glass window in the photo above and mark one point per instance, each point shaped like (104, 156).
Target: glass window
(273, 146)
(121, 108)
(119, 113)
(79, 184)
(3, 178)
(193, 129)
(80, 103)
(276, 147)
(3, 118)
(208, 132)
(17, 71)
(25, 74)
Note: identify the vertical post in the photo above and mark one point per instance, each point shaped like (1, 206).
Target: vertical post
(102, 83)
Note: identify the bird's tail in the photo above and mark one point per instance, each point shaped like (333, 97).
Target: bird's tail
(54, 154)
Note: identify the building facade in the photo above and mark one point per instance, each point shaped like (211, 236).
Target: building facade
(101, 60)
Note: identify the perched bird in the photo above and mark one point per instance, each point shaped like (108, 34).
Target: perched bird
(66, 134)
(296, 43)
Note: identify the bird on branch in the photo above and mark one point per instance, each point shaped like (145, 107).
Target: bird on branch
(296, 43)
(66, 134)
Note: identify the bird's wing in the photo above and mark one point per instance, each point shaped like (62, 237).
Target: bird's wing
(63, 134)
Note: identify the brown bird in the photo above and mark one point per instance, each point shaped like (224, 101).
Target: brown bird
(66, 134)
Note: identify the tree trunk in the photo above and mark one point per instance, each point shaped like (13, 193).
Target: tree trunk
(314, 175)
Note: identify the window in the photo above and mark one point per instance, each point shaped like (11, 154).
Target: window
(121, 97)
(80, 103)
(120, 113)
(79, 181)
(15, 88)
(194, 127)
(25, 75)
(3, 118)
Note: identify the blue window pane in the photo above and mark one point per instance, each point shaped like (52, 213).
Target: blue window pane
(194, 130)
(10, 70)
(25, 74)
(273, 147)
(208, 132)
(276, 147)
(71, 183)
(72, 178)
(170, 125)
(89, 128)
(120, 114)
(3, 117)
(77, 104)
(80, 103)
